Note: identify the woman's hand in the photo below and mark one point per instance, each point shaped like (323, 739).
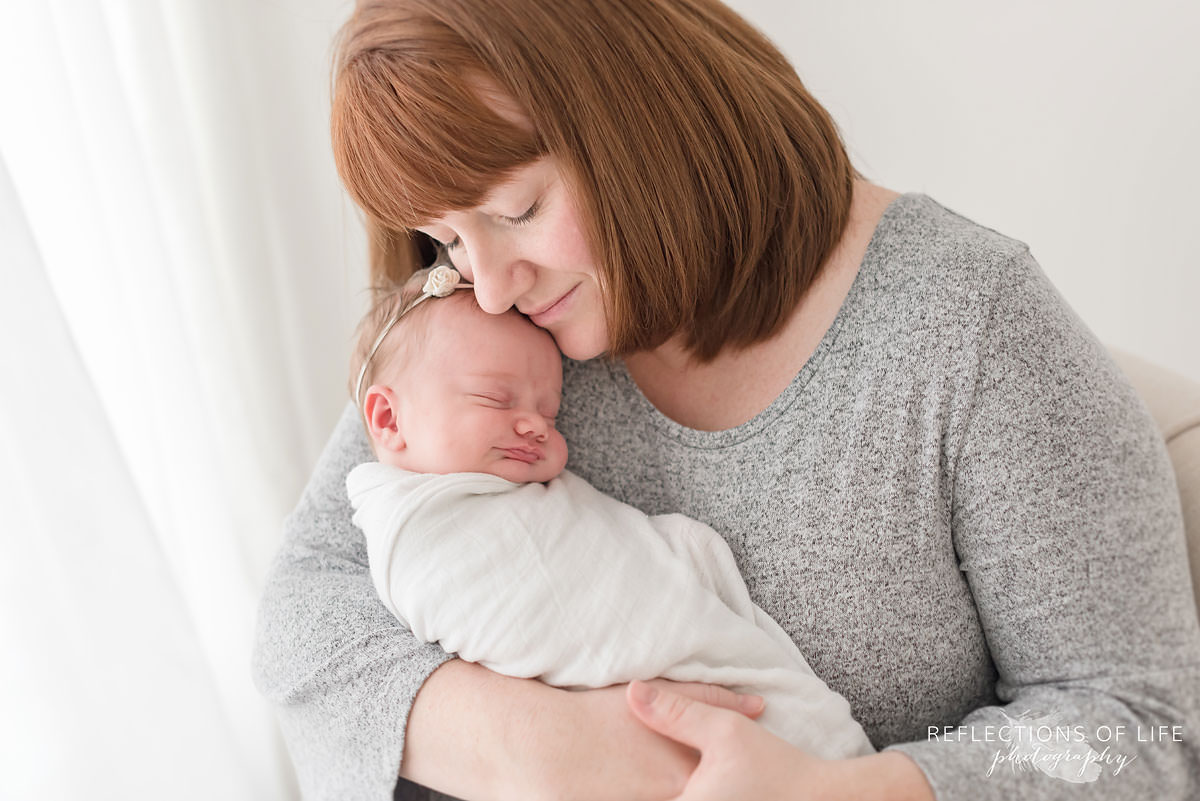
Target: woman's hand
(738, 757)
(595, 748)
(741, 759)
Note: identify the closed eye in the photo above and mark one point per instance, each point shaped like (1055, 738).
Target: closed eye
(521, 220)
(524, 218)
(494, 400)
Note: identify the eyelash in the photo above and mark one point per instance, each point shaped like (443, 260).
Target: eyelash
(522, 220)
(493, 399)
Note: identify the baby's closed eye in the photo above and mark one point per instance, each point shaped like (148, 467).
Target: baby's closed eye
(499, 401)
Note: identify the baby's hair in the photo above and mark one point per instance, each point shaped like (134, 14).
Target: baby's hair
(402, 341)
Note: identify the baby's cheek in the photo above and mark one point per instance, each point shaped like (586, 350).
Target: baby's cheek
(562, 450)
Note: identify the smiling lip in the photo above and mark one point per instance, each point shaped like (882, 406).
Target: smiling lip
(554, 310)
(527, 455)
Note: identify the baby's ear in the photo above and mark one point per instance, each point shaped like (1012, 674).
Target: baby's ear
(382, 411)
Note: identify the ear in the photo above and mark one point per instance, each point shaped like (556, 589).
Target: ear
(381, 408)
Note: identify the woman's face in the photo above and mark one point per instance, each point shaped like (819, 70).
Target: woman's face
(524, 247)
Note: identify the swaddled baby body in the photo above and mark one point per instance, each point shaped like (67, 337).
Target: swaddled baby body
(480, 540)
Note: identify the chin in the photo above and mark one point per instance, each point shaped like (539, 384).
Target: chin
(520, 476)
(580, 348)
(522, 473)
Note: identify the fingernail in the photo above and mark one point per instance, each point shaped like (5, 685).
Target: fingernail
(753, 703)
(642, 693)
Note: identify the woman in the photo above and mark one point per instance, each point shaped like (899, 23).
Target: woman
(929, 471)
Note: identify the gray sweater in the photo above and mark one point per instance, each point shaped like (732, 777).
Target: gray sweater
(959, 509)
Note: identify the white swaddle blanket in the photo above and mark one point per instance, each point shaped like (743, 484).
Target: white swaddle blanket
(563, 583)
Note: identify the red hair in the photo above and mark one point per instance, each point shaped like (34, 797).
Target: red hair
(712, 186)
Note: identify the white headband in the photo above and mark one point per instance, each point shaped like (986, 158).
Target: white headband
(442, 281)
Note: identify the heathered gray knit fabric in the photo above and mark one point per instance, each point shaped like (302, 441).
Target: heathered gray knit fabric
(959, 509)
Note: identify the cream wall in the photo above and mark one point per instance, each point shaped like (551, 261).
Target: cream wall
(1070, 125)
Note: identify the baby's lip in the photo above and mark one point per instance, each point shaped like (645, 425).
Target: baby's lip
(527, 455)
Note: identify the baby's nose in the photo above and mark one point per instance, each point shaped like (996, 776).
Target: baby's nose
(532, 425)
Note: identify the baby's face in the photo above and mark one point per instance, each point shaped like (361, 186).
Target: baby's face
(480, 395)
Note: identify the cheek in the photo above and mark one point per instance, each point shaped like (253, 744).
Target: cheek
(560, 447)
(569, 245)
(585, 337)
(582, 259)
(473, 428)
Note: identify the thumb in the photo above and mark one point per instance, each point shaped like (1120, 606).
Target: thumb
(672, 715)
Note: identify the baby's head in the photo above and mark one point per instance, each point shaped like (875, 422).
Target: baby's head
(453, 389)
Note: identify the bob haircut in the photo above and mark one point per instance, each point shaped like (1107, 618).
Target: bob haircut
(711, 185)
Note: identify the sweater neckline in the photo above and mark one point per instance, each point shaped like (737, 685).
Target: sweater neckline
(709, 440)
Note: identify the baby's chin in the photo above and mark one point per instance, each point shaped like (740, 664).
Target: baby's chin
(523, 473)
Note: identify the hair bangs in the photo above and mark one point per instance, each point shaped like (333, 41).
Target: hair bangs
(414, 135)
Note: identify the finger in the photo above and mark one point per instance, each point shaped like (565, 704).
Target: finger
(683, 719)
(751, 706)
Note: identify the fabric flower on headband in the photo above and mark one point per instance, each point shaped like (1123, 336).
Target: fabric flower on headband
(442, 280)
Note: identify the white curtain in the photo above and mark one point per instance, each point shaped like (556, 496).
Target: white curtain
(178, 279)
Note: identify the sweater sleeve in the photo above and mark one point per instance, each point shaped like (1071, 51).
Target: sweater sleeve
(1066, 522)
(340, 669)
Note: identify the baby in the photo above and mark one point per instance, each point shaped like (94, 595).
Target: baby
(479, 539)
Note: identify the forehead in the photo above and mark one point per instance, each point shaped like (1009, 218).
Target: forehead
(468, 339)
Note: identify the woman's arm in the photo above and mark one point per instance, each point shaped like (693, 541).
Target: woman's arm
(1066, 523)
(473, 733)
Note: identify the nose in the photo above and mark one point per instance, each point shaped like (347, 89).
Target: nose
(531, 425)
(498, 272)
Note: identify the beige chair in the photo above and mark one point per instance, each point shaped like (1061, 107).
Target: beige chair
(1174, 402)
